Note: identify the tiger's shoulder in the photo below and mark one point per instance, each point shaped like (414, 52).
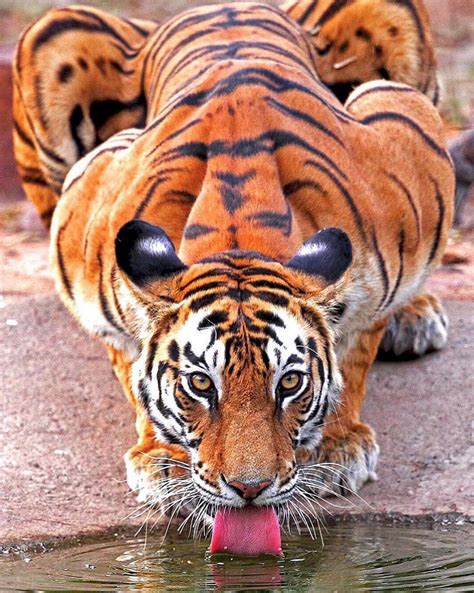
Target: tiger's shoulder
(357, 41)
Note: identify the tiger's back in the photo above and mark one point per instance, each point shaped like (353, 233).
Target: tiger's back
(273, 157)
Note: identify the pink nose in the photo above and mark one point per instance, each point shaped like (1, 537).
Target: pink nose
(249, 490)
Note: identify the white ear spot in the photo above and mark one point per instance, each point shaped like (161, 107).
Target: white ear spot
(312, 249)
(154, 246)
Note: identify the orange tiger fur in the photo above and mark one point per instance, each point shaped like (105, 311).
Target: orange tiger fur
(243, 156)
(361, 40)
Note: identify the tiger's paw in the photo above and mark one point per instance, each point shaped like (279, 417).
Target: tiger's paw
(161, 478)
(342, 463)
(419, 327)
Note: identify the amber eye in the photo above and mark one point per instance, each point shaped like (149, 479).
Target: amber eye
(290, 382)
(201, 382)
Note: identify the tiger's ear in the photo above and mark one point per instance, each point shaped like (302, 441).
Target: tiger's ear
(145, 253)
(327, 254)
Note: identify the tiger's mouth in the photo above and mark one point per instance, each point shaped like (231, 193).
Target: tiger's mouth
(250, 530)
(248, 523)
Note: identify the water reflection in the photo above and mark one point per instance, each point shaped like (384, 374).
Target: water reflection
(354, 558)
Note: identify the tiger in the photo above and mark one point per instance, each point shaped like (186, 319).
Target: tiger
(361, 40)
(240, 241)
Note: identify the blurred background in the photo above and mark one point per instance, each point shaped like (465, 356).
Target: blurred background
(23, 250)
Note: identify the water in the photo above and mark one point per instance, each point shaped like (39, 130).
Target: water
(354, 558)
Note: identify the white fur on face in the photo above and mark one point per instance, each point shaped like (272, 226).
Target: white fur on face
(280, 354)
(203, 345)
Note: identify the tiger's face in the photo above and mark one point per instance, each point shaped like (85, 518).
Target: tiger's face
(238, 366)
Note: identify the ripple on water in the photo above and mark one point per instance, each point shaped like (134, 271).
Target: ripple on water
(354, 558)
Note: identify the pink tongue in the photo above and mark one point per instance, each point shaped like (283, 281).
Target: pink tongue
(250, 531)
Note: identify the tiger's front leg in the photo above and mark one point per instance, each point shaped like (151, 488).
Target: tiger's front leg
(418, 327)
(157, 472)
(348, 453)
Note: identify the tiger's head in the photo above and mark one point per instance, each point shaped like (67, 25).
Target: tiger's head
(237, 364)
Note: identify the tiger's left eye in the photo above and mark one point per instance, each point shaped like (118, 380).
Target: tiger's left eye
(290, 382)
(201, 382)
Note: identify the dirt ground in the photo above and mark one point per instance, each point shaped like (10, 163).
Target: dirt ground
(66, 426)
(56, 477)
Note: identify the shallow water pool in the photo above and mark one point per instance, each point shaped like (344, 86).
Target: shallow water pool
(354, 558)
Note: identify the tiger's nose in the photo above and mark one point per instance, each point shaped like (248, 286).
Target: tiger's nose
(249, 490)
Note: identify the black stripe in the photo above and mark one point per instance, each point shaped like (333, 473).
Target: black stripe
(96, 156)
(138, 29)
(224, 51)
(302, 116)
(439, 223)
(34, 180)
(381, 89)
(104, 303)
(252, 76)
(392, 116)
(271, 297)
(106, 27)
(175, 134)
(416, 17)
(50, 153)
(234, 180)
(118, 307)
(199, 361)
(75, 120)
(401, 244)
(194, 231)
(270, 317)
(410, 200)
(101, 111)
(309, 9)
(143, 395)
(349, 199)
(208, 274)
(199, 303)
(168, 436)
(332, 10)
(270, 285)
(59, 26)
(22, 134)
(173, 351)
(206, 286)
(294, 186)
(259, 271)
(436, 93)
(117, 66)
(274, 220)
(382, 269)
(214, 319)
(149, 195)
(62, 268)
(150, 358)
(268, 142)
